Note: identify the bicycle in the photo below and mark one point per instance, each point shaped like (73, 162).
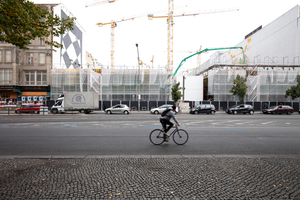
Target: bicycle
(180, 136)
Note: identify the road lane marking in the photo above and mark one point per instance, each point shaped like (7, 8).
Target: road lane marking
(267, 122)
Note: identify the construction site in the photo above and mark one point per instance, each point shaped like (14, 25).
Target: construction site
(114, 84)
(270, 71)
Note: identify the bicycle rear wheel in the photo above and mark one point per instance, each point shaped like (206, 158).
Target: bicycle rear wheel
(180, 137)
(156, 137)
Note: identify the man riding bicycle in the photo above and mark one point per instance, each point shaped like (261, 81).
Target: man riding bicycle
(165, 120)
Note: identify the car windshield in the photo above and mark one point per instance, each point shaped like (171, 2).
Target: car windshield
(235, 106)
(273, 107)
(58, 103)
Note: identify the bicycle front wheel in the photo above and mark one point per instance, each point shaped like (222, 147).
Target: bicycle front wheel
(180, 137)
(156, 137)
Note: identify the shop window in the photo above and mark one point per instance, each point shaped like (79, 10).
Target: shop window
(5, 76)
(42, 58)
(5, 96)
(29, 58)
(8, 56)
(36, 77)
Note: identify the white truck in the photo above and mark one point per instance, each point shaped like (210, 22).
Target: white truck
(76, 101)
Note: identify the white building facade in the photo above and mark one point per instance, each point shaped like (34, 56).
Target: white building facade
(272, 55)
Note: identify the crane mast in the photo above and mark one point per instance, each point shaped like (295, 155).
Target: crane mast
(170, 35)
(170, 17)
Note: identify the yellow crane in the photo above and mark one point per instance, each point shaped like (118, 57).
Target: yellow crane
(113, 25)
(170, 22)
(98, 2)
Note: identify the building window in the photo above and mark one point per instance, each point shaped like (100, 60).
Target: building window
(0, 56)
(29, 58)
(42, 58)
(38, 77)
(5, 76)
(8, 56)
(42, 42)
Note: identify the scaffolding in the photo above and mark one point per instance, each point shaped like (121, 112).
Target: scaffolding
(114, 84)
(265, 83)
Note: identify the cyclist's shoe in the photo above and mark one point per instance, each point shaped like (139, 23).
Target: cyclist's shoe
(166, 135)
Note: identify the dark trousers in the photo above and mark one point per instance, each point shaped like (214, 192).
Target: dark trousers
(164, 123)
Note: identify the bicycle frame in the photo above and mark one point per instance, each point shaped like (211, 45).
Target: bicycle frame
(174, 131)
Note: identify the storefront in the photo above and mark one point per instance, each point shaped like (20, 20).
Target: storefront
(9, 95)
(34, 95)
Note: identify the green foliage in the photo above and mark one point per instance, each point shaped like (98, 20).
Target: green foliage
(294, 92)
(22, 21)
(240, 87)
(176, 94)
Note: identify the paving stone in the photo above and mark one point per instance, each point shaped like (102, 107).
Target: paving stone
(176, 177)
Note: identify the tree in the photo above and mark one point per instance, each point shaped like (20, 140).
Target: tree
(294, 92)
(240, 87)
(176, 94)
(22, 21)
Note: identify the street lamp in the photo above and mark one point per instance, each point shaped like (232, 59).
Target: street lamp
(139, 95)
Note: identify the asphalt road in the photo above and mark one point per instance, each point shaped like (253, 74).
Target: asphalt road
(99, 134)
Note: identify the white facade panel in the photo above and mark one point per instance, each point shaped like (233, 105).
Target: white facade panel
(193, 88)
(277, 43)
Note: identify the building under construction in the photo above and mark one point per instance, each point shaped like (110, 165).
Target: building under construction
(114, 84)
(270, 59)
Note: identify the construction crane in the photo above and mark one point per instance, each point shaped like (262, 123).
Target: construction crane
(98, 2)
(170, 22)
(113, 25)
(143, 63)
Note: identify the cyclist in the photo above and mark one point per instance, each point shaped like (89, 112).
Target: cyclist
(165, 120)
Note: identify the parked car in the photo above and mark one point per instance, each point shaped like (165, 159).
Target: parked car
(281, 109)
(28, 109)
(242, 108)
(119, 108)
(204, 108)
(160, 109)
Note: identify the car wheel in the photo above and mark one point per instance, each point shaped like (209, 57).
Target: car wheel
(108, 112)
(196, 112)
(212, 112)
(235, 112)
(273, 113)
(126, 112)
(54, 111)
(289, 113)
(81, 111)
(18, 112)
(251, 112)
(156, 112)
(36, 112)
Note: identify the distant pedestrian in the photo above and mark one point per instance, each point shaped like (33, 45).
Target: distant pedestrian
(104, 106)
(266, 106)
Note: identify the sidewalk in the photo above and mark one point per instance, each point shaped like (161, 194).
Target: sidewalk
(150, 177)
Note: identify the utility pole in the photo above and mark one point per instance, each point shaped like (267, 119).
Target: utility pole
(139, 94)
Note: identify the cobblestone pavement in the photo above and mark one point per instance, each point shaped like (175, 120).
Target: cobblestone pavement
(205, 177)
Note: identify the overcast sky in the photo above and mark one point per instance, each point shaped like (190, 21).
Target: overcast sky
(209, 30)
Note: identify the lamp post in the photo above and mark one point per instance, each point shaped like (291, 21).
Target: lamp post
(139, 95)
